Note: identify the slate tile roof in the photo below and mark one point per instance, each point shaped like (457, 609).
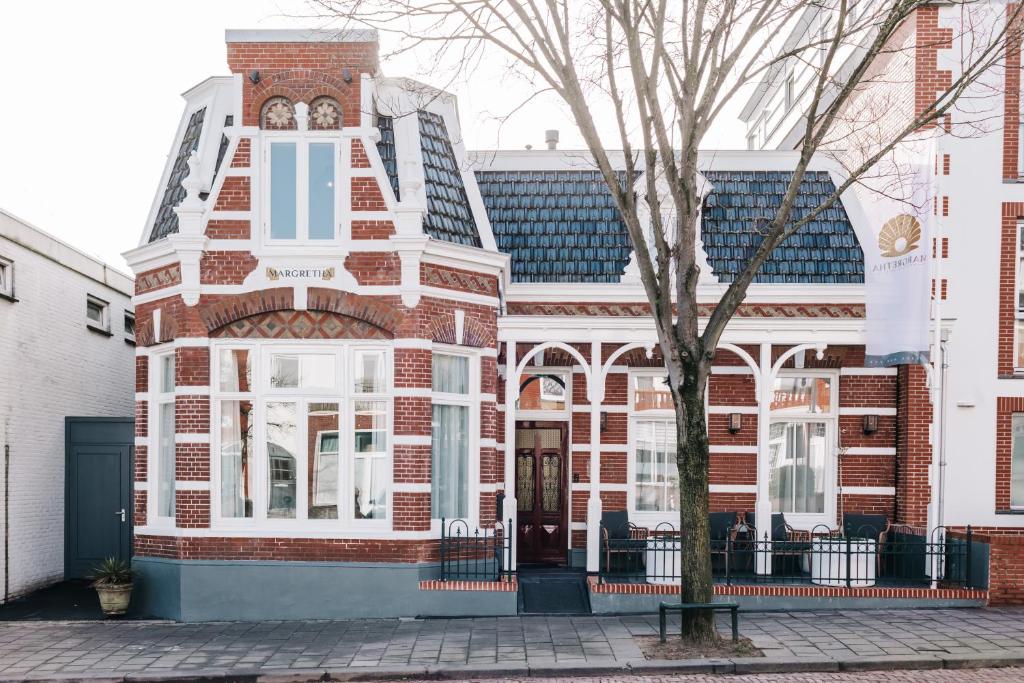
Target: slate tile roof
(386, 148)
(824, 251)
(166, 221)
(558, 226)
(449, 217)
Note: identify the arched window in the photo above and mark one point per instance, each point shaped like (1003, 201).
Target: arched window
(324, 114)
(277, 113)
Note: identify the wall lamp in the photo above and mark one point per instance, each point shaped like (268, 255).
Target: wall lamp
(870, 424)
(254, 76)
(735, 422)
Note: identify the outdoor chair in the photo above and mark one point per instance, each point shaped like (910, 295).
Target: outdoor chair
(857, 525)
(786, 542)
(623, 543)
(722, 528)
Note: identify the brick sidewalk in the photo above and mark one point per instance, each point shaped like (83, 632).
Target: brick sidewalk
(516, 645)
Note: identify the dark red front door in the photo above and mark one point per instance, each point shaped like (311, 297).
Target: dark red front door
(542, 536)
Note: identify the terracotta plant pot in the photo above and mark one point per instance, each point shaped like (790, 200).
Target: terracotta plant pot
(114, 598)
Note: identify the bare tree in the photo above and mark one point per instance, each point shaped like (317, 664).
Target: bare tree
(668, 70)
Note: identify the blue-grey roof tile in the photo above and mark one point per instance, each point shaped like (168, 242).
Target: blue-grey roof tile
(386, 148)
(449, 217)
(825, 250)
(166, 221)
(558, 226)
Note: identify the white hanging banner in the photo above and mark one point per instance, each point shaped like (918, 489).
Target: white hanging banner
(898, 264)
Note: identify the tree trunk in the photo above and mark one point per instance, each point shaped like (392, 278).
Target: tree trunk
(692, 463)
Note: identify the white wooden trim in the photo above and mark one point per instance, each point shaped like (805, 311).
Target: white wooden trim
(605, 408)
(411, 440)
(860, 410)
(181, 485)
(605, 447)
(191, 438)
(732, 488)
(192, 390)
(410, 487)
(871, 450)
(869, 490)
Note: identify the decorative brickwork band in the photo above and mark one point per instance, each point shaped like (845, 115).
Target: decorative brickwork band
(300, 325)
(703, 310)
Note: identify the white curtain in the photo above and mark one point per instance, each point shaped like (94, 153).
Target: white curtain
(232, 503)
(165, 481)
(449, 459)
(450, 374)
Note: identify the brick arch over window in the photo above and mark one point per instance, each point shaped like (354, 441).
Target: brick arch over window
(300, 325)
(223, 311)
(442, 331)
(278, 113)
(297, 85)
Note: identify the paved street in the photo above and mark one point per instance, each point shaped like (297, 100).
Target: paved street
(518, 645)
(971, 676)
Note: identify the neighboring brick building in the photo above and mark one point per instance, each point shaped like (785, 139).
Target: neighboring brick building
(77, 363)
(326, 269)
(972, 471)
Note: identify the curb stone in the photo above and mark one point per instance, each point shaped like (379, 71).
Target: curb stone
(739, 665)
(891, 663)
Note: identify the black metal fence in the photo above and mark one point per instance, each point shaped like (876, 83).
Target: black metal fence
(483, 554)
(901, 557)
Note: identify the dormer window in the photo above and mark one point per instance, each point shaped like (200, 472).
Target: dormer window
(301, 157)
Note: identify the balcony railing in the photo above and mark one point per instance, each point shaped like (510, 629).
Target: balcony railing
(902, 557)
(481, 554)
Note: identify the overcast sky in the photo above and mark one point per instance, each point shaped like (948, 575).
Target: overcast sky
(93, 100)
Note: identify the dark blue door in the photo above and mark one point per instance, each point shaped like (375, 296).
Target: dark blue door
(98, 510)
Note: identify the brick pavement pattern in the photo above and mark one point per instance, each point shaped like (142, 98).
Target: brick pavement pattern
(123, 648)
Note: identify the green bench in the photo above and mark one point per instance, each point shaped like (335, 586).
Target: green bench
(733, 608)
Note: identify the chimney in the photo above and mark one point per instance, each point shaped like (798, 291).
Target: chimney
(551, 137)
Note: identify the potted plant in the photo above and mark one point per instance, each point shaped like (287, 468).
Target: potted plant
(112, 580)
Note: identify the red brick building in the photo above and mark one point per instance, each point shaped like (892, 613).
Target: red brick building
(350, 329)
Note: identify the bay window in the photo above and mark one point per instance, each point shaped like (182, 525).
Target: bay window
(450, 436)
(162, 387)
(302, 189)
(305, 433)
(800, 446)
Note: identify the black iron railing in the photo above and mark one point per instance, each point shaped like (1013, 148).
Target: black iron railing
(483, 554)
(899, 557)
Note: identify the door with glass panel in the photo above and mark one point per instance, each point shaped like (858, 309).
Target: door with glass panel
(542, 535)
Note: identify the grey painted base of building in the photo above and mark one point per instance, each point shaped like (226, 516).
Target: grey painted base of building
(621, 603)
(212, 590)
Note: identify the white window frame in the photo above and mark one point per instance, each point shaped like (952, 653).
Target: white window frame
(471, 400)
(649, 518)
(831, 420)
(1019, 505)
(302, 140)
(344, 352)
(129, 335)
(1018, 281)
(554, 415)
(104, 324)
(6, 278)
(158, 398)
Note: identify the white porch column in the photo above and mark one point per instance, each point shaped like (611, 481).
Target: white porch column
(763, 505)
(595, 388)
(511, 394)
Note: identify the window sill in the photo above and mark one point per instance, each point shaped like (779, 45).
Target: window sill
(130, 341)
(1010, 512)
(99, 330)
(1016, 375)
(8, 297)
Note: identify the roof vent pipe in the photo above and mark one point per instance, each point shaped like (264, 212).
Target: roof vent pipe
(551, 137)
